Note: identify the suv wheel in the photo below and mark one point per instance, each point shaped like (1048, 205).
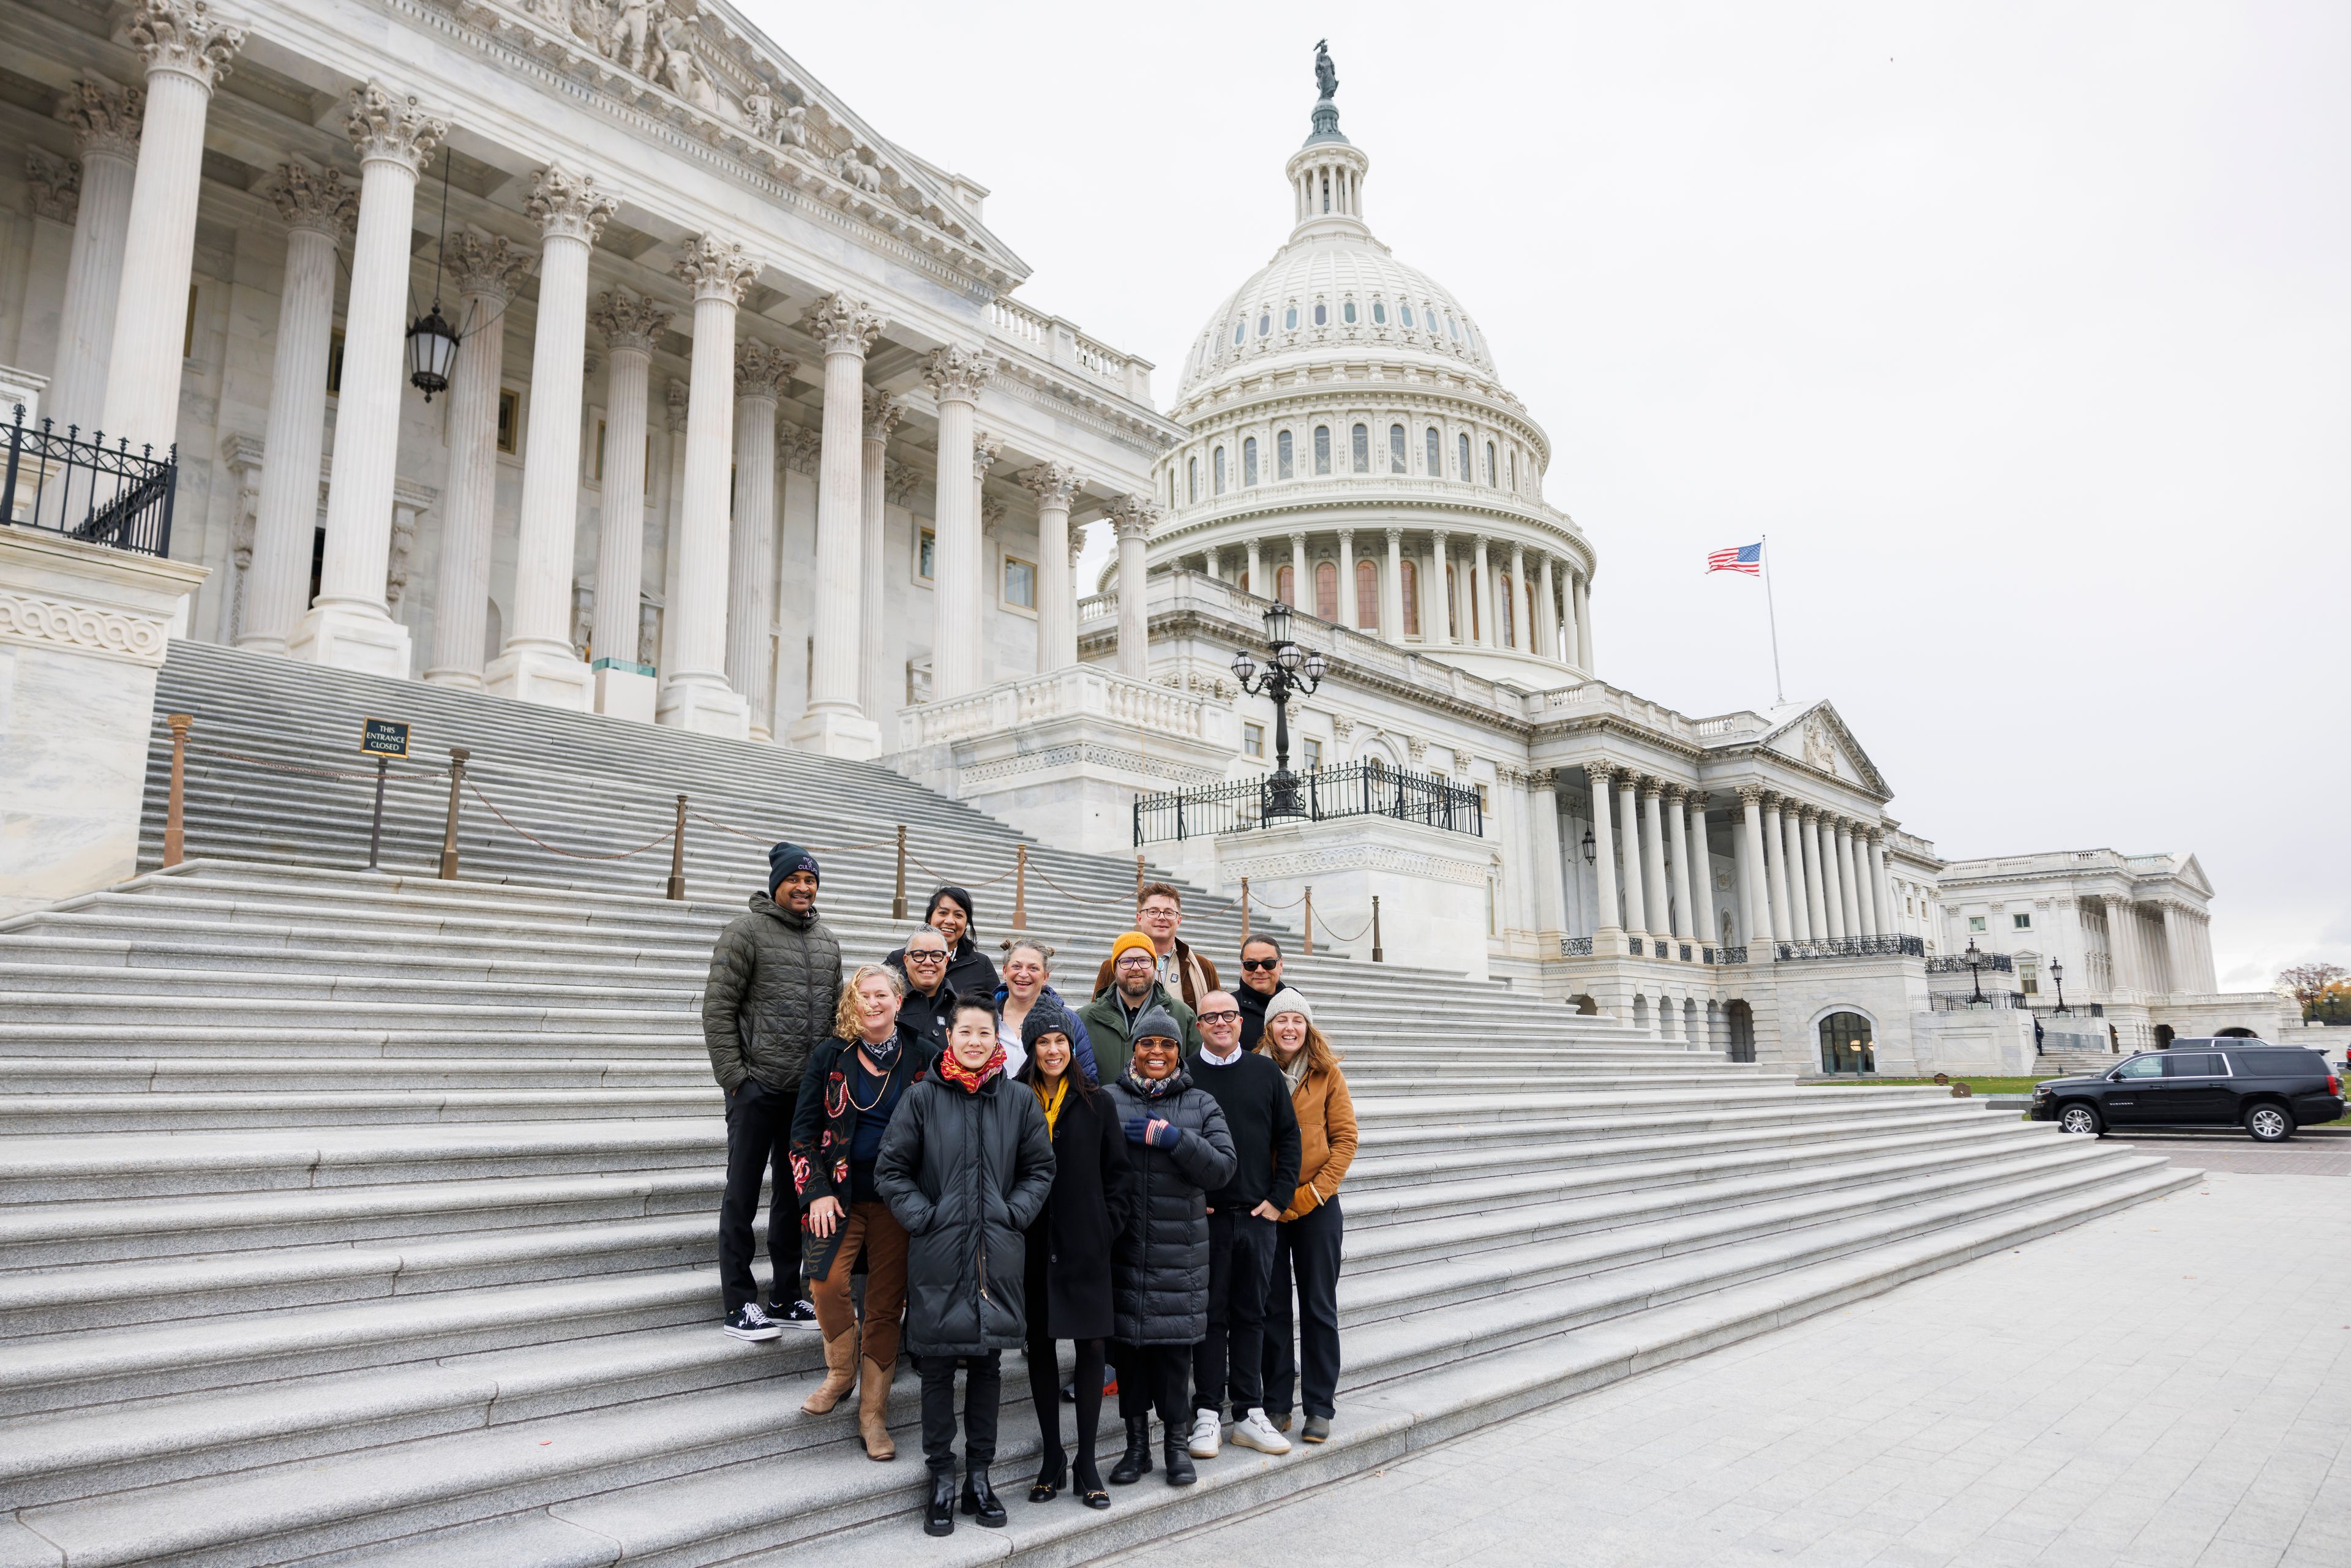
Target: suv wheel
(2080, 1119)
(2269, 1123)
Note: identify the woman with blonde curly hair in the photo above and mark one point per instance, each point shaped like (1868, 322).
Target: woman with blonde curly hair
(859, 1075)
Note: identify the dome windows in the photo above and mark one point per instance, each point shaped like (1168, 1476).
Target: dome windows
(1264, 323)
(1379, 313)
(1451, 328)
(1236, 334)
(1191, 479)
(1347, 313)
(1290, 320)
(1395, 449)
(1218, 465)
(1249, 461)
(1406, 309)
(1362, 447)
(1490, 470)
(1466, 474)
(1436, 456)
(1322, 314)
(1284, 460)
(1322, 446)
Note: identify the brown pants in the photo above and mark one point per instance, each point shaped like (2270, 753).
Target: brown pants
(868, 1228)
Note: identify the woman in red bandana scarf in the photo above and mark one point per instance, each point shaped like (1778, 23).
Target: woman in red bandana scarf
(965, 1166)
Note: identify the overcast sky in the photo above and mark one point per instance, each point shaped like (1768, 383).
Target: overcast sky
(2022, 329)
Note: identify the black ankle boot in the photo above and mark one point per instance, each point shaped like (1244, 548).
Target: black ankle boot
(1135, 1463)
(1177, 1453)
(979, 1499)
(938, 1517)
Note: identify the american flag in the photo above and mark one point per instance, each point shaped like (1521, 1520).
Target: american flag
(1748, 558)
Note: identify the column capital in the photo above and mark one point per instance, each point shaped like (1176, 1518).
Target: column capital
(956, 374)
(991, 515)
(105, 118)
(1541, 777)
(1395, 535)
(568, 206)
(1647, 787)
(312, 200)
(679, 392)
(1077, 543)
(1347, 537)
(761, 370)
(1132, 516)
(1599, 772)
(718, 267)
(1672, 791)
(393, 129)
(54, 183)
(1751, 795)
(182, 35)
(985, 449)
(1807, 813)
(803, 450)
(489, 264)
(1055, 485)
(843, 325)
(628, 321)
(900, 481)
(882, 414)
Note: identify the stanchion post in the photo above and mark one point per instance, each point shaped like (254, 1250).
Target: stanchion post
(375, 821)
(1244, 912)
(1310, 923)
(175, 834)
(677, 856)
(457, 754)
(1377, 956)
(1138, 880)
(1020, 890)
(898, 900)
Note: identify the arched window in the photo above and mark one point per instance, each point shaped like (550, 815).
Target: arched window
(1217, 461)
(1290, 320)
(1506, 609)
(1249, 461)
(1367, 596)
(1379, 313)
(1511, 466)
(1407, 314)
(1362, 449)
(1395, 448)
(1285, 585)
(1847, 1045)
(1322, 314)
(1489, 464)
(1410, 580)
(1436, 456)
(1326, 590)
(1264, 322)
(1244, 580)
(1347, 313)
(1476, 622)
(1283, 466)
(1452, 598)
(1466, 475)
(1321, 449)
(1191, 479)
(1236, 334)
(1450, 327)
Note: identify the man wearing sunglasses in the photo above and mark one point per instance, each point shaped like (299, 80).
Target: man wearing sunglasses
(929, 1007)
(1261, 980)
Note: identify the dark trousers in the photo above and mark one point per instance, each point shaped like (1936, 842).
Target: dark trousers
(1308, 1253)
(1152, 1376)
(1240, 1264)
(758, 1135)
(983, 1391)
(1044, 1389)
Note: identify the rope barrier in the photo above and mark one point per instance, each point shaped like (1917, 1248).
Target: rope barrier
(765, 839)
(556, 849)
(314, 772)
(1340, 937)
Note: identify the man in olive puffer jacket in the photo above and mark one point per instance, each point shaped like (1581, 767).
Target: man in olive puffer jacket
(775, 981)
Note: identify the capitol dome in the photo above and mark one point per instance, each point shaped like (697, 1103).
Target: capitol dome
(1352, 451)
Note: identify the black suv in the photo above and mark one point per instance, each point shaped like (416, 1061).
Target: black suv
(2268, 1090)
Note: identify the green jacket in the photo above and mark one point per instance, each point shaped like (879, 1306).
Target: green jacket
(774, 980)
(1106, 1021)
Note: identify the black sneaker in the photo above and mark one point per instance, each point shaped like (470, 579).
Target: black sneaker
(748, 1322)
(799, 1315)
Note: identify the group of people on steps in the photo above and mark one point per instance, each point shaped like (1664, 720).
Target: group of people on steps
(1152, 1176)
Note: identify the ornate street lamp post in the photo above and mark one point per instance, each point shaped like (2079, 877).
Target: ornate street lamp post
(1975, 961)
(2057, 978)
(1290, 669)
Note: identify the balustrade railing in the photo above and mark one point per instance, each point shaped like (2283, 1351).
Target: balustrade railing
(88, 490)
(1011, 705)
(1357, 789)
(1958, 1002)
(1895, 946)
(1575, 947)
(1954, 964)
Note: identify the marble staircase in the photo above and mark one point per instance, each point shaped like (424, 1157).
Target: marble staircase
(369, 1217)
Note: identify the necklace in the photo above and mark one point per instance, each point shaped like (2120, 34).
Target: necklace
(867, 1105)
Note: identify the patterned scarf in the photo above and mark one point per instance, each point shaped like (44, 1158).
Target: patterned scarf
(955, 1073)
(883, 1056)
(1151, 1088)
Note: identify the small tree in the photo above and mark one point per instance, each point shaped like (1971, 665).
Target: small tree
(2310, 982)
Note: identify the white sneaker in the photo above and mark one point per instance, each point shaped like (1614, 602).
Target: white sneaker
(1254, 1431)
(1206, 1431)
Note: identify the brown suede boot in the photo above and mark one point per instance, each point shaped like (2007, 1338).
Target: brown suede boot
(874, 1410)
(839, 1373)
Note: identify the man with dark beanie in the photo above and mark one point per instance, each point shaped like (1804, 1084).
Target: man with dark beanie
(1242, 1214)
(774, 985)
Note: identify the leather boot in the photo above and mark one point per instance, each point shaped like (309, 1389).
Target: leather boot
(1135, 1463)
(839, 1373)
(1177, 1453)
(979, 1497)
(939, 1516)
(874, 1416)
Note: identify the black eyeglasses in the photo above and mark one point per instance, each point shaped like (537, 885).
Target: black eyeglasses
(1254, 965)
(1218, 1018)
(926, 957)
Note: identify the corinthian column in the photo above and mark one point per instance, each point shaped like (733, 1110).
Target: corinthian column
(1636, 910)
(882, 414)
(105, 120)
(488, 273)
(673, 526)
(985, 450)
(1653, 861)
(350, 626)
(1679, 880)
(1436, 599)
(317, 209)
(956, 375)
(1131, 518)
(1347, 616)
(1392, 598)
(1055, 486)
(187, 50)
(1700, 873)
(629, 326)
(1522, 610)
(1808, 856)
(695, 695)
(1583, 623)
(835, 722)
(1607, 932)
(761, 373)
(1756, 889)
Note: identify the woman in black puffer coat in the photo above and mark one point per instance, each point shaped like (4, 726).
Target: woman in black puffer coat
(1180, 1151)
(965, 1166)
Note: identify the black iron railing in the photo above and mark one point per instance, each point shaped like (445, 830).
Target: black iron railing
(1957, 1002)
(1357, 789)
(1575, 947)
(1851, 948)
(1955, 964)
(88, 490)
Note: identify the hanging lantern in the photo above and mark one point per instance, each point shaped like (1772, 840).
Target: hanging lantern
(431, 349)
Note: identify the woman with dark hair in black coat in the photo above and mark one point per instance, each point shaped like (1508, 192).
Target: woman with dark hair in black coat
(969, 971)
(1069, 1247)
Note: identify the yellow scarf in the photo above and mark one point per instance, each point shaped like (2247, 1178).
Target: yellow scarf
(1051, 1102)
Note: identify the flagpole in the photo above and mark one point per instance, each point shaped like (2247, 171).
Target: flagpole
(1765, 552)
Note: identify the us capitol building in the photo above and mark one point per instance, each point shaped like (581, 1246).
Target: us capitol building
(740, 423)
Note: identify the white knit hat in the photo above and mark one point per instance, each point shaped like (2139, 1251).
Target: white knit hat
(1289, 1000)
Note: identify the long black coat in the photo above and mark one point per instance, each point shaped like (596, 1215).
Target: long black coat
(1160, 1283)
(965, 1173)
(1071, 1240)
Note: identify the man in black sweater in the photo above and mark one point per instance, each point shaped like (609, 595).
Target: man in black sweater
(1242, 1217)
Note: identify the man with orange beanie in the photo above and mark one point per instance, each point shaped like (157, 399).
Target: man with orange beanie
(1135, 988)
